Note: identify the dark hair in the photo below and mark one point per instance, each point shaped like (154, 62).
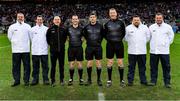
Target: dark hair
(135, 16)
(115, 10)
(74, 15)
(157, 14)
(112, 9)
(93, 13)
(40, 16)
(20, 13)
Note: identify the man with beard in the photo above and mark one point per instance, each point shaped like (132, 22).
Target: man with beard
(162, 37)
(19, 36)
(137, 36)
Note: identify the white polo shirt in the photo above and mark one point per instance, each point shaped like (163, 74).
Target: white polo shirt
(161, 38)
(38, 39)
(137, 39)
(19, 36)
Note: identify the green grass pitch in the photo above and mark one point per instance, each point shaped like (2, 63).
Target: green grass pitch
(76, 92)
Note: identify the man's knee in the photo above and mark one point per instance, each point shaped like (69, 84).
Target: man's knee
(120, 63)
(71, 64)
(98, 63)
(110, 62)
(90, 63)
(79, 64)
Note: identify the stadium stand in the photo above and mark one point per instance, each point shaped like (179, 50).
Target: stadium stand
(170, 11)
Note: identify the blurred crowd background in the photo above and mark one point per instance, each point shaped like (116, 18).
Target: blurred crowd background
(146, 10)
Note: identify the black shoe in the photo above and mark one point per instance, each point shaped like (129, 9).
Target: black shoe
(109, 83)
(99, 83)
(26, 84)
(130, 84)
(81, 82)
(151, 84)
(33, 83)
(88, 83)
(62, 83)
(53, 84)
(145, 84)
(15, 84)
(168, 86)
(122, 83)
(46, 82)
(70, 82)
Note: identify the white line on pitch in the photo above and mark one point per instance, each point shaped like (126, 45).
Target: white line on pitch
(4, 46)
(101, 96)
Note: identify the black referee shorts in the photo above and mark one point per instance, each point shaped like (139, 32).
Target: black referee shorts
(75, 53)
(114, 49)
(92, 52)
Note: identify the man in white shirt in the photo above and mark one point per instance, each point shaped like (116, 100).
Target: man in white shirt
(19, 36)
(137, 36)
(162, 36)
(39, 50)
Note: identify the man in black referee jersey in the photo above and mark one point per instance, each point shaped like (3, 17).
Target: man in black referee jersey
(93, 34)
(75, 50)
(114, 33)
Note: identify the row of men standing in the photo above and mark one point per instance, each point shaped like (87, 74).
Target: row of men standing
(114, 31)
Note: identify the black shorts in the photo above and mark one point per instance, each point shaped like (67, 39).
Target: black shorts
(75, 53)
(92, 52)
(114, 49)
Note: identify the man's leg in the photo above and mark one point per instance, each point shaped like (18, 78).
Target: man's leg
(98, 57)
(27, 69)
(79, 58)
(119, 50)
(132, 64)
(99, 69)
(165, 61)
(61, 65)
(45, 69)
(89, 58)
(109, 70)
(80, 72)
(121, 71)
(89, 71)
(53, 66)
(142, 68)
(71, 72)
(154, 60)
(16, 60)
(71, 59)
(35, 73)
(110, 60)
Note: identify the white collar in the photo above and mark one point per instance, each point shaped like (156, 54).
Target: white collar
(138, 26)
(19, 23)
(160, 24)
(40, 25)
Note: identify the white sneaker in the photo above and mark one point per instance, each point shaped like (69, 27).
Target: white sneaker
(109, 83)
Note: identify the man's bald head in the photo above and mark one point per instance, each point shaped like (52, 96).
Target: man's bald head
(20, 17)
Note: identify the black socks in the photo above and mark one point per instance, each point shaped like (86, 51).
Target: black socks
(98, 73)
(71, 71)
(89, 71)
(121, 73)
(80, 72)
(109, 70)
